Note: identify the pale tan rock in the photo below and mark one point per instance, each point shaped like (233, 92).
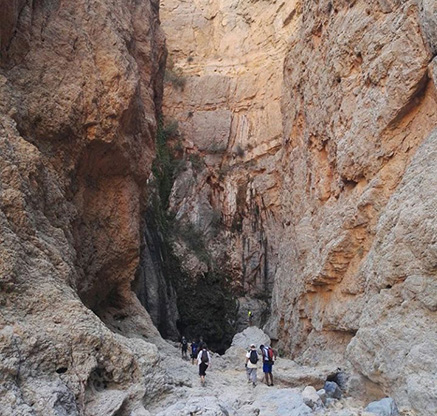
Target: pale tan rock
(395, 343)
(356, 107)
(79, 91)
(230, 56)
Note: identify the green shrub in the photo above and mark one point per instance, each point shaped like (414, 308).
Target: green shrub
(175, 77)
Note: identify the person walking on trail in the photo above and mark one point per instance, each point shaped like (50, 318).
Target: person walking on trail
(268, 361)
(204, 361)
(184, 347)
(251, 365)
(194, 350)
(250, 317)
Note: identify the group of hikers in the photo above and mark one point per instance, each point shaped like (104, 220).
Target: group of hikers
(268, 357)
(199, 351)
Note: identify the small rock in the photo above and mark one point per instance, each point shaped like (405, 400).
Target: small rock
(311, 398)
(332, 390)
(384, 407)
(140, 411)
(322, 394)
(330, 402)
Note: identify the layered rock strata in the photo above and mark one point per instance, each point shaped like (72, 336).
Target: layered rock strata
(80, 89)
(223, 89)
(335, 190)
(358, 204)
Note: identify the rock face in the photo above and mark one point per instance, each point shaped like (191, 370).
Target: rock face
(337, 206)
(223, 88)
(79, 95)
(358, 195)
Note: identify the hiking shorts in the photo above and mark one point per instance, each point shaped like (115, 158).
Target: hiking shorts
(202, 369)
(267, 367)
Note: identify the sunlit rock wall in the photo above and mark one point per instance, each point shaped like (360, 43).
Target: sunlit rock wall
(223, 87)
(357, 200)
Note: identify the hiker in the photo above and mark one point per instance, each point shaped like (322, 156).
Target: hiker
(251, 365)
(204, 360)
(184, 347)
(194, 350)
(268, 361)
(250, 317)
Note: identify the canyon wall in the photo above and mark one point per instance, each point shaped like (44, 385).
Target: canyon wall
(306, 128)
(223, 88)
(80, 90)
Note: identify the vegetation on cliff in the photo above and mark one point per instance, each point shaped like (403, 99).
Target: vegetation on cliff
(205, 302)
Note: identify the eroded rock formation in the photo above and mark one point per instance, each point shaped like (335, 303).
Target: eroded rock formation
(80, 88)
(359, 101)
(347, 224)
(304, 170)
(223, 88)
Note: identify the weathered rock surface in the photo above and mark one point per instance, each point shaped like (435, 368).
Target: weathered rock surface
(315, 205)
(79, 90)
(351, 128)
(251, 335)
(358, 104)
(224, 88)
(384, 407)
(228, 393)
(397, 336)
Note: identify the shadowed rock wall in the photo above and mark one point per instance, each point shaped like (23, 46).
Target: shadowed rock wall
(80, 89)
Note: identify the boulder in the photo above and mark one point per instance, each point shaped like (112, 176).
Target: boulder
(311, 398)
(322, 394)
(251, 335)
(332, 390)
(384, 407)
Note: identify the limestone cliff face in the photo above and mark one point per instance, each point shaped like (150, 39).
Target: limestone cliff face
(329, 198)
(223, 88)
(359, 107)
(79, 90)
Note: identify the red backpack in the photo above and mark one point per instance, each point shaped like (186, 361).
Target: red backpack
(268, 354)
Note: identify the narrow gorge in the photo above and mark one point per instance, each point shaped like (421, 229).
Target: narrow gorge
(167, 167)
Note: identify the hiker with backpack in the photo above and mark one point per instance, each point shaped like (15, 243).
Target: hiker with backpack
(184, 347)
(251, 365)
(268, 361)
(194, 350)
(204, 360)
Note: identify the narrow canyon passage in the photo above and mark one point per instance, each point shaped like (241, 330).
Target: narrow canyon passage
(167, 167)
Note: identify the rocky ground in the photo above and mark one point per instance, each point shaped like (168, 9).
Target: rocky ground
(227, 391)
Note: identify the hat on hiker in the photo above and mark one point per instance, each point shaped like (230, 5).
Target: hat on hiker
(252, 346)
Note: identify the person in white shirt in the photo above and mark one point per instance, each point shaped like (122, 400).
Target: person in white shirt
(204, 360)
(251, 364)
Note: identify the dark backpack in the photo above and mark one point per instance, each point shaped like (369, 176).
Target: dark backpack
(184, 342)
(204, 358)
(253, 357)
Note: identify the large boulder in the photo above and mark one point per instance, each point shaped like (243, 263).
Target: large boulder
(311, 397)
(251, 335)
(235, 355)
